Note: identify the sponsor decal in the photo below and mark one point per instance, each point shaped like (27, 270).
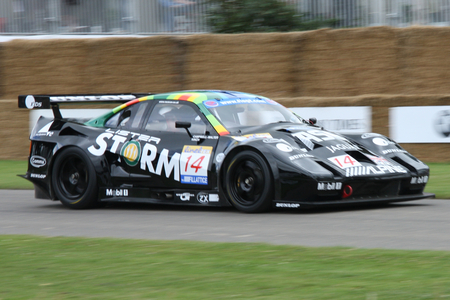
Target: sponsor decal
(284, 147)
(44, 131)
(38, 176)
(344, 161)
(194, 164)
(204, 137)
(212, 103)
(202, 198)
(380, 142)
(253, 136)
(308, 144)
(287, 205)
(329, 186)
(394, 151)
(37, 161)
(29, 102)
(339, 147)
(319, 135)
(381, 161)
(370, 135)
(295, 128)
(442, 123)
(273, 141)
(92, 98)
(298, 156)
(220, 157)
(116, 192)
(185, 196)
(376, 170)
(119, 137)
(419, 180)
(191, 164)
(309, 137)
(131, 152)
(213, 198)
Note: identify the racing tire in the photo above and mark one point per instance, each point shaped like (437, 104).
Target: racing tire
(248, 182)
(74, 179)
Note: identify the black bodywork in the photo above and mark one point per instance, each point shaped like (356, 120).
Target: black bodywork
(255, 168)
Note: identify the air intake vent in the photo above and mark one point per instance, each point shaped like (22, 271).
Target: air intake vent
(404, 164)
(360, 157)
(71, 131)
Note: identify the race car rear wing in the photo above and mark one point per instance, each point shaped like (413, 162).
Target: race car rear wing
(53, 101)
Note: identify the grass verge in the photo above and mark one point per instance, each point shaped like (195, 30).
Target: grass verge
(9, 169)
(81, 268)
(438, 184)
(439, 180)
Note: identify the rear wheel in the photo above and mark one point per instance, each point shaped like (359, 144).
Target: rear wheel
(74, 180)
(248, 182)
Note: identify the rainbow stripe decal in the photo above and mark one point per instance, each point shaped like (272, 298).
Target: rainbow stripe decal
(198, 99)
(119, 108)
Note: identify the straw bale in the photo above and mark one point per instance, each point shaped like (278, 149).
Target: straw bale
(139, 64)
(44, 66)
(90, 66)
(257, 63)
(2, 70)
(14, 131)
(349, 62)
(425, 59)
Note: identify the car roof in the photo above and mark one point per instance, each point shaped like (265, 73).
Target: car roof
(197, 97)
(200, 96)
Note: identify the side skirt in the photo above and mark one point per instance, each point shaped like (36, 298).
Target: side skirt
(161, 196)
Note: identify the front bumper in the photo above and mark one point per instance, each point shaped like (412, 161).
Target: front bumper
(349, 202)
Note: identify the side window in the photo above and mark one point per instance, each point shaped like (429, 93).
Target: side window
(113, 121)
(129, 117)
(164, 116)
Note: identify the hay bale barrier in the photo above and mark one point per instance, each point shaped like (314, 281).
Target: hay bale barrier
(258, 63)
(381, 67)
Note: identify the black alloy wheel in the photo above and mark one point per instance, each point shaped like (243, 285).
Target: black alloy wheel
(74, 179)
(248, 182)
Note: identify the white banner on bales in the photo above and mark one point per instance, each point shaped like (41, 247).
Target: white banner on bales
(420, 124)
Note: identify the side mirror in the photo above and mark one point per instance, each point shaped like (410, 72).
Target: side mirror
(312, 121)
(179, 124)
(185, 125)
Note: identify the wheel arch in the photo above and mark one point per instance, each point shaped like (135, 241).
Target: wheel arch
(93, 160)
(266, 155)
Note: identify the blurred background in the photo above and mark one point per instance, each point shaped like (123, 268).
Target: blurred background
(199, 16)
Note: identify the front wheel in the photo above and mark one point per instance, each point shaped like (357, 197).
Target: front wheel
(248, 182)
(74, 180)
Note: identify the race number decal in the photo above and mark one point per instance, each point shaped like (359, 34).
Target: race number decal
(194, 163)
(344, 161)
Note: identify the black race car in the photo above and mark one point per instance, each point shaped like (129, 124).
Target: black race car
(215, 148)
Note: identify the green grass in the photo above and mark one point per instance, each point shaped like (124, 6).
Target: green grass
(438, 184)
(78, 268)
(9, 169)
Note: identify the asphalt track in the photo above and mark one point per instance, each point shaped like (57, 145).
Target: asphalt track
(423, 224)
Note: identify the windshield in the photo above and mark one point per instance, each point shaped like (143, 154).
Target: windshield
(234, 113)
